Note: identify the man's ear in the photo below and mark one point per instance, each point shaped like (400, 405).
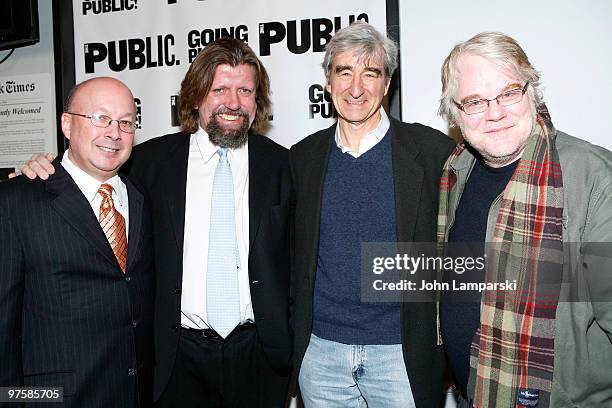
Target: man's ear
(66, 122)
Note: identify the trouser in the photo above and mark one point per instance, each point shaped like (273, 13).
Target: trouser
(217, 373)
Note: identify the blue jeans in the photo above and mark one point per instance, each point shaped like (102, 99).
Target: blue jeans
(342, 375)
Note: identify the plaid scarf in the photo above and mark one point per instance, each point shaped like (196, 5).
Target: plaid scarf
(512, 352)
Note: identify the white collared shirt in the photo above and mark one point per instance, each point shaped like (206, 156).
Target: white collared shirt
(369, 140)
(200, 175)
(89, 186)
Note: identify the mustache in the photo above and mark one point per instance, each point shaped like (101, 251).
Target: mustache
(225, 111)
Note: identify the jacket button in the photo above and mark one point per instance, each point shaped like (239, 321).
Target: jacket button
(134, 323)
(132, 371)
(177, 291)
(128, 278)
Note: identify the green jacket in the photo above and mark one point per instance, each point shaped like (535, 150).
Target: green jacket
(582, 374)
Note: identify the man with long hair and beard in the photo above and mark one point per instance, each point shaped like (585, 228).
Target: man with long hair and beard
(222, 334)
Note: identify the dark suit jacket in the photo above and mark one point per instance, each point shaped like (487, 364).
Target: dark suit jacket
(160, 165)
(69, 317)
(418, 154)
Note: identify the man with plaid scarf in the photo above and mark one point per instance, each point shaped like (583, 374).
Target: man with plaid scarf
(541, 200)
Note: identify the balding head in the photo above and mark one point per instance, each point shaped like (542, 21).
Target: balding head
(99, 151)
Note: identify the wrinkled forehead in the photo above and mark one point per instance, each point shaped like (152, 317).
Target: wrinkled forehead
(244, 73)
(474, 72)
(360, 57)
(466, 65)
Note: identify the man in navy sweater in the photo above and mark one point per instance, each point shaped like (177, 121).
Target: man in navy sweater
(368, 178)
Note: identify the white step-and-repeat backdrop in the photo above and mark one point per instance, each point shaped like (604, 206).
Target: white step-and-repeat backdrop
(149, 45)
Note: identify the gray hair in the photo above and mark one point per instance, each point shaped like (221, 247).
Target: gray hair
(498, 48)
(366, 42)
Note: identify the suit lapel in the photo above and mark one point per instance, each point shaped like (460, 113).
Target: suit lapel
(71, 204)
(259, 185)
(407, 180)
(136, 202)
(314, 171)
(174, 174)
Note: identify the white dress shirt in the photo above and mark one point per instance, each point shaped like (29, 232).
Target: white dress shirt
(89, 186)
(203, 159)
(369, 140)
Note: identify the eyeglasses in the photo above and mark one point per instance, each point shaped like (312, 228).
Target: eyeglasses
(504, 99)
(104, 121)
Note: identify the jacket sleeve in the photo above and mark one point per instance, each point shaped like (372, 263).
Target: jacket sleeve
(596, 254)
(11, 302)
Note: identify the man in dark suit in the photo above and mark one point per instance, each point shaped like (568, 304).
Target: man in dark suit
(76, 299)
(205, 357)
(368, 178)
(223, 104)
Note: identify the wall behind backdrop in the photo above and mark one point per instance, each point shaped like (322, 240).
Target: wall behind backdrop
(568, 41)
(27, 97)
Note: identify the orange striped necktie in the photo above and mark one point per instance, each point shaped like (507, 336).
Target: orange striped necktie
(113, 225)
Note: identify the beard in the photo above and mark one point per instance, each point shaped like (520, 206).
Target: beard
(228, 138)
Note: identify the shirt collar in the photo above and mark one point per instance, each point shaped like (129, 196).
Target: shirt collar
(209, 150)
(375, 134)
(89, 185)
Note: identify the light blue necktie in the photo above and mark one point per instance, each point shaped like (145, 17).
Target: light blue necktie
(222, 297)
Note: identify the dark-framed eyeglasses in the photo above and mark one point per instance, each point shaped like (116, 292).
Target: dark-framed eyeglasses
(507, 98)
(104, 121)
